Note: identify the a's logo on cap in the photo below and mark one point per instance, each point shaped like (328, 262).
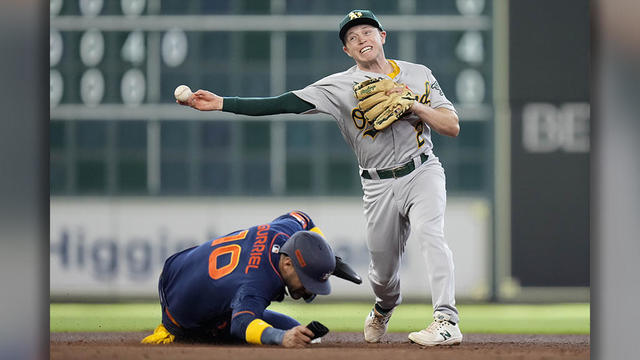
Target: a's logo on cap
(300, 259)
(354, 15)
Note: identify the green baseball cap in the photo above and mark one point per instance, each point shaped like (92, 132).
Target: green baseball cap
(358, 17)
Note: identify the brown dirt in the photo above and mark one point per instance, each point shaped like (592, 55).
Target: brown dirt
(334, 346)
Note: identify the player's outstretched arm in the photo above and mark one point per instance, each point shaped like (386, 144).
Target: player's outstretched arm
(299, 336)
(286, 103)
(203, 100)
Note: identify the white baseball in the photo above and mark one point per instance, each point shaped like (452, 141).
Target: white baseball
(182, 93)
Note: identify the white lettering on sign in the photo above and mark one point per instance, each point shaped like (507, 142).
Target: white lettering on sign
(117, 247)
(75, 249)
(547, 127)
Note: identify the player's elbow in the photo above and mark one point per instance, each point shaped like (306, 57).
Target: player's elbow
(237, 330)
(448, 124)
(452, 130)
(239, 325)
(455, 130)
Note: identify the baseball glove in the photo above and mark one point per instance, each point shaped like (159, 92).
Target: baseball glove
(378, 107)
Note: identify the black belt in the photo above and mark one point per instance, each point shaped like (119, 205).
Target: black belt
(396, 172)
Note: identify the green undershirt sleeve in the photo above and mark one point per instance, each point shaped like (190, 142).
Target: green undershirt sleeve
(282, 104)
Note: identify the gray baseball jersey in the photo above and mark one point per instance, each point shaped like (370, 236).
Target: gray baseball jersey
(397, 144)
(395, 207)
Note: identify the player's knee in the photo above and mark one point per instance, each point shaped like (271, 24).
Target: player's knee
(383, 277)
(431, 231)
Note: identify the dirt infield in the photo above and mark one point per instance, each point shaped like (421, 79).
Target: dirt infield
(334, 346)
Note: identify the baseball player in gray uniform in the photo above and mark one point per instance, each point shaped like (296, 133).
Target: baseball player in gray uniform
(402, 179)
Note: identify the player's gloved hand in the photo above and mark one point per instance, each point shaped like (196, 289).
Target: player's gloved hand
(299, 336)
(383, 101)
(397, 105)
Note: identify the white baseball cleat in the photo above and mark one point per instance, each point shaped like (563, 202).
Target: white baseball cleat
(440, 332)
(375, 325)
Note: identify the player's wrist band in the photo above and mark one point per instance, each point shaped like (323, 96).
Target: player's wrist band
(255, 330)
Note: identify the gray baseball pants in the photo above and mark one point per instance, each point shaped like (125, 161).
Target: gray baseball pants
(394, 208)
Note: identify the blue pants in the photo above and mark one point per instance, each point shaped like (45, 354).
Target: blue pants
(218, 329)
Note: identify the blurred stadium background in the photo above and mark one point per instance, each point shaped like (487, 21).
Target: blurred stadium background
(135, 177)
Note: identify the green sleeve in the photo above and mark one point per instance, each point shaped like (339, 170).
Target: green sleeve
(283, 104)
